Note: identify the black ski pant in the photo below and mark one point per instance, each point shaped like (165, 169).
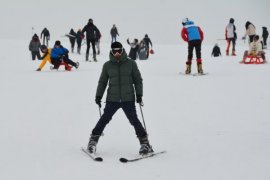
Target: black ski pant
(129, 109)
(56, 62)
(194, 44)
(72, 42)
(69, 61)
(93, 42)
(35, 54)
(264, 41)
(46, 38)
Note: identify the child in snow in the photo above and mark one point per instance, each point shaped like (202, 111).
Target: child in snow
(265, 36)
(59, 54)
(255, 49)
(134, 46)
(250, 31)
(34, 47)
(216, 51)
(46, 56)
(230, 36)
(194, 36)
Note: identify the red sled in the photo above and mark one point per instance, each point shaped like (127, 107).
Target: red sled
(253, 60)
(67, 67)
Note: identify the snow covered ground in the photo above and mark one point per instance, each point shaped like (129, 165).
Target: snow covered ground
(213, 127)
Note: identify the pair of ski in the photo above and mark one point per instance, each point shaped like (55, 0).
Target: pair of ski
(193, 74)
(123, 160)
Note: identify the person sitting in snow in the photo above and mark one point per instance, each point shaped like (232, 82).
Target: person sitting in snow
(59, 54)
(255, 49)
(216, 51)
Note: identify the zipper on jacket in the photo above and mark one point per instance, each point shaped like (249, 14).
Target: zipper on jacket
(119, 81)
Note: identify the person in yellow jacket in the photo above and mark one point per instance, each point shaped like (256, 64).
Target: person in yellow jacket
(46, 56)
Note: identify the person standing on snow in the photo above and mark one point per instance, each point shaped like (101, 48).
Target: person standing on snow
(91, 31)
(72, 38)
(46, 36)
(125, 81)
(194, 36)
(265, 35)
(134, 47)
(114, 33)
(230, 36)
(79, 38)
(34, 47)
(148, 42)
(250, 31)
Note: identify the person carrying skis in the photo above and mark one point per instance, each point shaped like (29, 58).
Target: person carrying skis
(72, 38)
(91, 31)
(46, 36)
(216, 51)
(114, 33)
(194, 36)
(264, 37)
(230, 36)
(134, 47)
(34, 47)
(125, 81)
(255, 49)
(250, 31)
(59, 54)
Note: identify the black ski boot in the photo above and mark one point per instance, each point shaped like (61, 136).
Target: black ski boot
(95, 57)
(146, 148)
(91, 147)
(77, 65)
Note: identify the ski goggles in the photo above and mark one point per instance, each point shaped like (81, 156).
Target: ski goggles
(116, 51)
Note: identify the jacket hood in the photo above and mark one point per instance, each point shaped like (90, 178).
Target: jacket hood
(122, 58)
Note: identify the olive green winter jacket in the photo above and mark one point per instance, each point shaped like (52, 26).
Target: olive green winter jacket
(124, 79)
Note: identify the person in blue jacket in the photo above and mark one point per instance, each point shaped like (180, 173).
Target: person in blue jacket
(59, 54)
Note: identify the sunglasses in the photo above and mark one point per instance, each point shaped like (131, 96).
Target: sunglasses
(116, 51)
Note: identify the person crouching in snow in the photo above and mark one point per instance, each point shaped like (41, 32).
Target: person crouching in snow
(46, 56)
(230, 36)
(216, 51)
(59, 54)
(194, 36)
(255, 49)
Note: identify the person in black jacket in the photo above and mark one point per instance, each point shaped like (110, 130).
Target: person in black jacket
(114, 33)
(265, 35)
(148, 42)
(46, 36)
(79, 38)
(216, 51)
(72, 38)
(134, 47)
(91, 31)
(34, 47)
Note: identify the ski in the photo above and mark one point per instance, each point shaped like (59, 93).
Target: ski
(92, 155)
(125, 160)
(199, 74)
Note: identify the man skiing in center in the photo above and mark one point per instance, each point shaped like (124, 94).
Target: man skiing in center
(125, 81)
(194, 36)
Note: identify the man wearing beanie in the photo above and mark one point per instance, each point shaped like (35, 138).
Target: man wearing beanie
(91, 35)
(125, 82)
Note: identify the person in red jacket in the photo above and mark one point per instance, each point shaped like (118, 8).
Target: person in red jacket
(194, 36)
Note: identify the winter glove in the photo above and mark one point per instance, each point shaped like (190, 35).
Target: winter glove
(38, 69)
(98, 101)
(139, 99)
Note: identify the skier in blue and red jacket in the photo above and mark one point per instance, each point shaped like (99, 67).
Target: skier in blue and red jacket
(194, 36)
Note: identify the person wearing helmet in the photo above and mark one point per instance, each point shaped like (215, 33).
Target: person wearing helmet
(194, 36)
(230, 35)
(125, 82)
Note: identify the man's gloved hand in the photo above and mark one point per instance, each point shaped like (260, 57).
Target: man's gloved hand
(139, 99)
(98, 101)
(38, 69)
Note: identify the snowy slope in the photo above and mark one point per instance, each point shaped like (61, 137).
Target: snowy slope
(213, 127)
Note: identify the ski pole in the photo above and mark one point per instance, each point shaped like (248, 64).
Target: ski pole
(141, 104)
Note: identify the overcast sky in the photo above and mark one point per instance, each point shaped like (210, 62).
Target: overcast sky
(158, 18)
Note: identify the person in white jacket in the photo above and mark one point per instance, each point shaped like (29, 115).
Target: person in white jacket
(250, 31)
(255, 49)
(230, 35)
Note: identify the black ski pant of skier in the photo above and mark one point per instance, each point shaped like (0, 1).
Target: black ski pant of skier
(69, 61)
(35, 54)
(191, 45)
(72, 42)
(264, 42)
(129, 109)
(46, 38)
(93, 43)
(56, 62)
